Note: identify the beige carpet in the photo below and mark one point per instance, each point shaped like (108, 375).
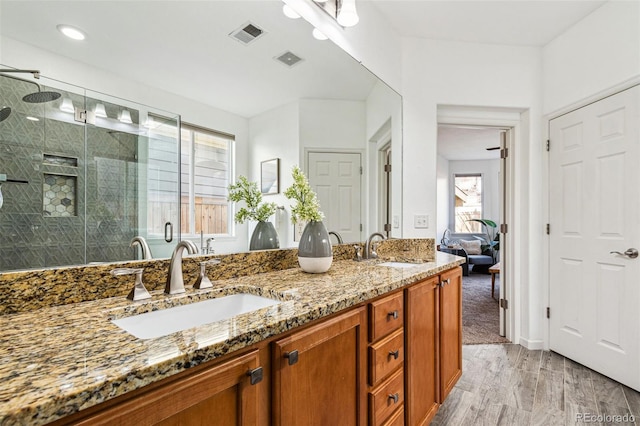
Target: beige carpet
(480, 313)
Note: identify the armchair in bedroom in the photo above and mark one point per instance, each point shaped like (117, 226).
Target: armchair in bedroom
(469, 246)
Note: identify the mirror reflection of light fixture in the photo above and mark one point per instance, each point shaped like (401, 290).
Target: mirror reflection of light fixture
(125, 116)
(347, 15)
(67, 105)
(319, 35)
(100, 111)
(289, 12)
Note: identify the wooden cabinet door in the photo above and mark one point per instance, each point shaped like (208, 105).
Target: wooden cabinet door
(450, 330)
(421, 351)
(221, 395)
(320, 375)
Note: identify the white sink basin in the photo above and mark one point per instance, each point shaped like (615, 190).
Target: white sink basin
(398, 264)
(166, 321)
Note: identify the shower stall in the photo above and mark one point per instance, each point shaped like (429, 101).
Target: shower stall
(82, 173)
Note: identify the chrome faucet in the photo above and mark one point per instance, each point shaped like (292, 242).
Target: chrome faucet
(369, 249)
(144, 247)
(338, 236)
(175, 281)
(208, 249)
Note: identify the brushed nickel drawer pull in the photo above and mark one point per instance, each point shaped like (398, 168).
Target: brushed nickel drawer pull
(394, 354)
(395, 397)
(393, 314)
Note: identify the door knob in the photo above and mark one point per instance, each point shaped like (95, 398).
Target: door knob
(631, 253)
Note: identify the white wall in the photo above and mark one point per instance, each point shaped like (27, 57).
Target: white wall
(276, 134)
(597, 53)
(443, 190)
(471, 74)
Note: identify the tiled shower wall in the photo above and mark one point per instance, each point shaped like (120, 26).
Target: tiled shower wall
(100, 214)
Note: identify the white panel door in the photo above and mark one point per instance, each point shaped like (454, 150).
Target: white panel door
(594, 208)
(336, 179)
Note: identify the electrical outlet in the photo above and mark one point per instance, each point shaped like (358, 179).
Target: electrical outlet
(396, 221)
(421, 221)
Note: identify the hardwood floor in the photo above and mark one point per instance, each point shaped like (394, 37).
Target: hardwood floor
(506, 384)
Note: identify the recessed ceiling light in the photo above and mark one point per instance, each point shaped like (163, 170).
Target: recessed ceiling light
(71, 32)
(28, 117)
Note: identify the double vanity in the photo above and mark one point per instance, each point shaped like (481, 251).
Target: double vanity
(370, 342)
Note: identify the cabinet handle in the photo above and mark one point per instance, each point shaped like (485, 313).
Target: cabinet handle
(393, 314)
(395, 397)
(168, 232)
(445, 282)
(394, 354)
(292, 357)
(255, 375)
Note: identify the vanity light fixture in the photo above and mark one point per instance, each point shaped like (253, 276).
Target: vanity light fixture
(67, 105)
(319, 35)
(289, 12)
(100, 111)
(125, 116)
(347, 15)
(71, 32)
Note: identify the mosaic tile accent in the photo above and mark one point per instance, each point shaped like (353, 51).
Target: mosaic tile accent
(59, 196)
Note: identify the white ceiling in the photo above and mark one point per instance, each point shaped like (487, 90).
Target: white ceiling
(182, 46)
(468, 143)
(512, 22)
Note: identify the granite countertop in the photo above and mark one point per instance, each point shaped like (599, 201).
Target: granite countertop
(58, 360)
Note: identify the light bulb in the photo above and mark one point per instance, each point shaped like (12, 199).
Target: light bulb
(66, 105)
(100, 111)
(71, 32)
(348, 16)
(318, 35)
(125, 116)
(289, 12)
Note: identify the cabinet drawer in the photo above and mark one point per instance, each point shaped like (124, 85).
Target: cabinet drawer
(386, 398)
(396, 419)
(385, 356)
(385, 316)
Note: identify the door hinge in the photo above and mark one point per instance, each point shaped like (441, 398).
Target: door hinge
(504, 303)
(548, 312)
(548, 145)
(387, 168)
(360, 227)
(548, 229)
(80, 115)
(504, 152)
(360, 169)
(387, 227)
(504, 228)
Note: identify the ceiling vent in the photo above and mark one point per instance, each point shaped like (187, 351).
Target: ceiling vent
(247, 33)
(288, 58)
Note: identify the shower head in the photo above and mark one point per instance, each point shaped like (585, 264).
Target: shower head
(33, 98)
(40, 97)
(4, 113)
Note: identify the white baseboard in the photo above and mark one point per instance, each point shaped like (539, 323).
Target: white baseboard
(532, 344)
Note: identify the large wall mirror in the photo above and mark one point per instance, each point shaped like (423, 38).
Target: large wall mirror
(304, 101)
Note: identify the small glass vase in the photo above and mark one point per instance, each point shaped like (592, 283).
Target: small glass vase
(314, 251)
(264, 237)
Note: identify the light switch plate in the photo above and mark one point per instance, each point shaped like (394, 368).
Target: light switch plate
(421, 221)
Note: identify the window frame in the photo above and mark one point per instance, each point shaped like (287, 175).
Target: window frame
(452, 200)
(231, 157)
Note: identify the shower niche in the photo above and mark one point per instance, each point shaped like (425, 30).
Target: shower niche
(100, 171)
